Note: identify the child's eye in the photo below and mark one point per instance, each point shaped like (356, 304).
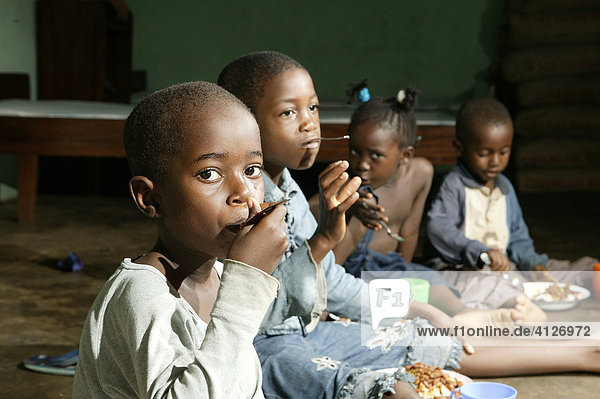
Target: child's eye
(376, 155)
(313, 107)
(210, 175)
(254, 171)
(287, 113)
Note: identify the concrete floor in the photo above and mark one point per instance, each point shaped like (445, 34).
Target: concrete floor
(43, 309)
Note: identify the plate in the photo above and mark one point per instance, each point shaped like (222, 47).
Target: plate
(545, 302)
(458, 376)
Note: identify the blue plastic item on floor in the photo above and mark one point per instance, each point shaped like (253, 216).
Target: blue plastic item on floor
(57, 365)
(71, 263)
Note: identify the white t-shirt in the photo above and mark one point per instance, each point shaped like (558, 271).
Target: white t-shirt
(141, 339)
(485, 217)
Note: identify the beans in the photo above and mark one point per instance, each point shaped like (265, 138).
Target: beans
(432, 382)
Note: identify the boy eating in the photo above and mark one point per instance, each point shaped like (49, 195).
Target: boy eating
(475, 219)
(175, 322)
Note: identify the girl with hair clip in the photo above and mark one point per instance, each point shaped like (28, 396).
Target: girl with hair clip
(395, 185)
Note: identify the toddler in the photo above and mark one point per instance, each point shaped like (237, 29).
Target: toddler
(475, 220)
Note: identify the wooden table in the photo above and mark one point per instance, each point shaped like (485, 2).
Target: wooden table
(95, 129)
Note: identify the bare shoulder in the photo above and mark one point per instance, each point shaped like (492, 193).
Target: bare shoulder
(418, 174)
(421, 167)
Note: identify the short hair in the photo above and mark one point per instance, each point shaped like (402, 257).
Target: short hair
(155, 130)
(485, 110)
(398, 116)
(247, 76)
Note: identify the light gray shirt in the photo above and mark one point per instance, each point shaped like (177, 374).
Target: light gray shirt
(141, 339)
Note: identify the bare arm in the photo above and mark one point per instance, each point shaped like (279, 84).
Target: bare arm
(354, 232)
(410, 228)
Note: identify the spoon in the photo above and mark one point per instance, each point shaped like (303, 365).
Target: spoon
(346, 137)
(258, 217)
(390, 232)
(385, 226)
(514, 281)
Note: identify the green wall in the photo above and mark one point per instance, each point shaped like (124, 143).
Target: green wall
(443, 47)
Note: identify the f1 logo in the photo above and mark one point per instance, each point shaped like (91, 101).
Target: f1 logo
(388, 299)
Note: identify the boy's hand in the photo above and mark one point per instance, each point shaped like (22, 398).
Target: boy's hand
(368, 211)
(336, 195)
(500, 262)
(261, 245)
(540, 273)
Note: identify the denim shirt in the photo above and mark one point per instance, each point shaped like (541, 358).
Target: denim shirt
(307, 287)
(446, 219)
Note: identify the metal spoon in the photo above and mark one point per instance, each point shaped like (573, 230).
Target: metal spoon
(258, 217)
(514, 281)
(385, 226)
(390, 232)
(346, 137)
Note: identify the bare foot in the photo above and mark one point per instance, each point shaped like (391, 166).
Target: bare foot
(491, 317)
(530, 311)
(594, 359)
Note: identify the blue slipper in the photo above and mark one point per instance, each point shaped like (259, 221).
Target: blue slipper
(57, 365)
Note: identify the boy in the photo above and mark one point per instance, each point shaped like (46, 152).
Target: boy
(174, 322)
(329, 356)
(475, 219)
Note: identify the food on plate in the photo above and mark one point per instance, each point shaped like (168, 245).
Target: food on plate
(557, 292)
(432, 382)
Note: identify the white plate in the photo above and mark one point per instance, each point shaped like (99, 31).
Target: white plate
(545, 302)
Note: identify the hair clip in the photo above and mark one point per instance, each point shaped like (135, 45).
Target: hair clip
(358, 92)
(363, 95)
(400, 96)
(418, 140)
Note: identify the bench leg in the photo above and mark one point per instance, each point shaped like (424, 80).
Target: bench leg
(27, 187)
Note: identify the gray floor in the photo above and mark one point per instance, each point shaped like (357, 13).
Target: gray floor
(43, 309)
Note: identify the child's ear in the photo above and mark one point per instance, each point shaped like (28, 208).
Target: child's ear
(458, 147)
(144, 195)
(407, 154)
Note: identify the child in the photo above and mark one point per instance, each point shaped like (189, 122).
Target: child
(175, 322)
(475, 219)
(401, 181)
(382, 144)
(302, 358)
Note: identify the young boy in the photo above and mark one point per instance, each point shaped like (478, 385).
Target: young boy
(475, 219)
(329, 356)
(175, 322)
(302, 358)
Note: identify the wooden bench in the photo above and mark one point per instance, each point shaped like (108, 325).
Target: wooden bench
(95, 129)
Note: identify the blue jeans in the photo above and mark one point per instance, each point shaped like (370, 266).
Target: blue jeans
(326, 362)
